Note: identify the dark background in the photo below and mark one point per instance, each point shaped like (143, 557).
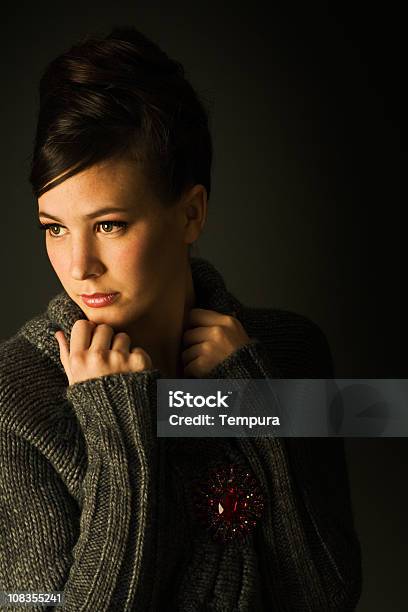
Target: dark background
(306, 211)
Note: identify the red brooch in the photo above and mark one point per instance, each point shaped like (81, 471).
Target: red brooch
(229, 502)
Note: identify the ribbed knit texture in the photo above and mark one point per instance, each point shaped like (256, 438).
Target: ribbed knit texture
(94, 504)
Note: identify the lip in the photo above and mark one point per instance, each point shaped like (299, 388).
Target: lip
(98, 300)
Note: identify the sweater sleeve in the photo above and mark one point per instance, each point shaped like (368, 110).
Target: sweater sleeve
(309, 552)
(100, 554)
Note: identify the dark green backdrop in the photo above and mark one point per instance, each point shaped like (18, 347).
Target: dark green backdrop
(306, 211)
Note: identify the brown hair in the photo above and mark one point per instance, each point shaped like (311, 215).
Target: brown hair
(117, 95)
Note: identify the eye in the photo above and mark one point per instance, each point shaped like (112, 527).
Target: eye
(54, 228)
(48, 226)
(119, 224)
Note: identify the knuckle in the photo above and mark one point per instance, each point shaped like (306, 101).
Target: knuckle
(122, 336)
(140, 359)
(206, 346)
(76, 357)
(79, 323)
(118, 358)
(136, 361)
(97, 356)
(76, 363)
(217, 332)
(105, 326)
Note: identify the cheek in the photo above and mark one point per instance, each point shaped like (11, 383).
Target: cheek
(58, 261)
(146, 248)
(134, 256)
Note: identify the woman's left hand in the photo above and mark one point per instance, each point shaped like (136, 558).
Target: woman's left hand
(211, 338)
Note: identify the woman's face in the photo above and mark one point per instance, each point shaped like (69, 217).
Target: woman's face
(138, 249)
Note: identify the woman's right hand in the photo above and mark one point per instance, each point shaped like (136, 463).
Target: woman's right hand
(95, 350)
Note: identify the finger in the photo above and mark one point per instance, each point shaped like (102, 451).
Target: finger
(143, 357)
(121, 342)
(195, 335)
(191, 353)
(102, 337)
(190, 370)
(81, 335)
(201, 316)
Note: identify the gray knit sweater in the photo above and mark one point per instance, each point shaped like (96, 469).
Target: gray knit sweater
(94, 504)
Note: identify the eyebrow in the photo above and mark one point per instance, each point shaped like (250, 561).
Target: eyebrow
(96, 213)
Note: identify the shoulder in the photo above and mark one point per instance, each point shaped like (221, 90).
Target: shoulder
(30, 383)
(17, 360)
(296, 341)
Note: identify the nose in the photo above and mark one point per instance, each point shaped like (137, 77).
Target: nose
(85, 260)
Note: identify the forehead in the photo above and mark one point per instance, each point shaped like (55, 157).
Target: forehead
(113, 181)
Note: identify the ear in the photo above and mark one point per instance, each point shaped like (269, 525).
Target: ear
(195, 208)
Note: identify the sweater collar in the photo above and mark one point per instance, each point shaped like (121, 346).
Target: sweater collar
(62, 312)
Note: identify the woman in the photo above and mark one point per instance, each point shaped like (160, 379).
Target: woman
(93, 503)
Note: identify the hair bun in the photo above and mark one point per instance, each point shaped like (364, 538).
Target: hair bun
(148, 51)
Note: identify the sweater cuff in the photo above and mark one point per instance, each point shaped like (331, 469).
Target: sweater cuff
(252, 360)
(115, 401)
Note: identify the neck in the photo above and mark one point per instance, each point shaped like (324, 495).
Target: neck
(160, 333)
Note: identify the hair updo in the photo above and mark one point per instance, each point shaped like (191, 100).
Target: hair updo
(121, 95)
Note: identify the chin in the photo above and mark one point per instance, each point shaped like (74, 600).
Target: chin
(110, 316)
